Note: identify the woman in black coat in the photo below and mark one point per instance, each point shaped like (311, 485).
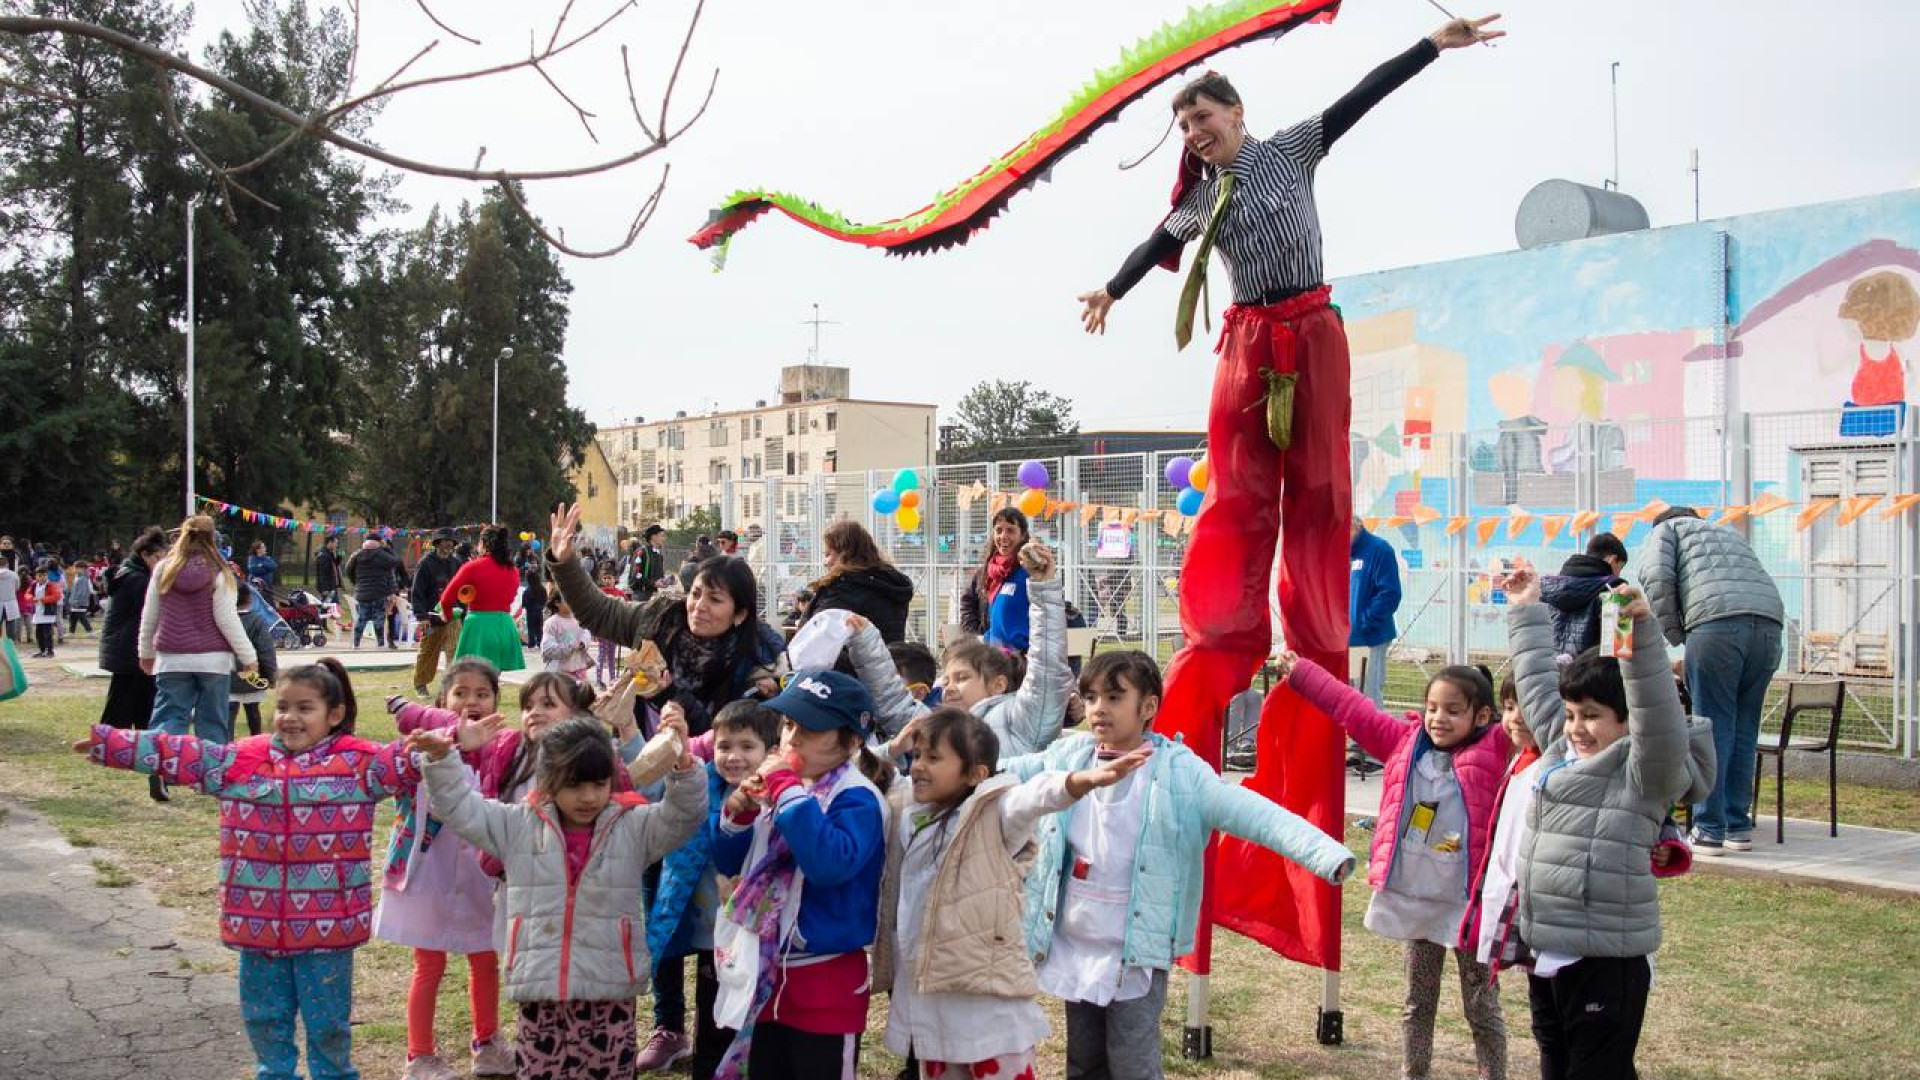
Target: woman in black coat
(129, 690)
(861, 580)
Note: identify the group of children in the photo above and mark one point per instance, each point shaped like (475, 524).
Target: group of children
(51, 599)
(802, 869)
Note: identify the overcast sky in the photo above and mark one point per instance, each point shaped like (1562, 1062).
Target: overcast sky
(871, 108)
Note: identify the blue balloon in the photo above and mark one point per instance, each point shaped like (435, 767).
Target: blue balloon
(1190, 500)
(886, 501)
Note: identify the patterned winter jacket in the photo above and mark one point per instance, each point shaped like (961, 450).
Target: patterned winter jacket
(295, 829)
(1479, 763)
(1185, 803)
(670, 925)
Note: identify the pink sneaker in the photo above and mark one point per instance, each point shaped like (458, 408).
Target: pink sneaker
(493, 1057)
(663, 1049)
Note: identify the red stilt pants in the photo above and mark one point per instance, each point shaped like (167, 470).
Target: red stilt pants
(1254, 491)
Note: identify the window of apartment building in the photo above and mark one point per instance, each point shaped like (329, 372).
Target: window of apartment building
(717, 471)
(790, 461)
(756, 427)
(717, 433)
(746, 429)
(803, 421)
(833, 419)
(830, 461)
(792, 420)
(803, 462)
(660, 437)
(759, 467)
(593, 489)
(633, 441)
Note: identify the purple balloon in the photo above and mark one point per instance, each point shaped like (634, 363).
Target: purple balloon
(1033, 475)
(1177, 471)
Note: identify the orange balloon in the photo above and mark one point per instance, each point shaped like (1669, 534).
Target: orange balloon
(910, 499)
(1199, 474)
(1032, 502)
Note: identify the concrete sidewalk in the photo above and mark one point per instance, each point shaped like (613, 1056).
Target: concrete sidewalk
(97, 986)
(1861, 859)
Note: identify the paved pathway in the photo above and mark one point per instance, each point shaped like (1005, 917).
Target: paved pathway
(94, 987)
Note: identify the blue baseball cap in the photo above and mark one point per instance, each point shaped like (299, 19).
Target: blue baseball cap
(824, 701)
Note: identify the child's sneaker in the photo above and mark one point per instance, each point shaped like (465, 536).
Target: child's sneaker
(663, 1049)
(1739, 841)
(1703, 844)
(493, 1057)
(430, 1067)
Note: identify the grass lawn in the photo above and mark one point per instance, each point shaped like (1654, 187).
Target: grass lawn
(1754, 981)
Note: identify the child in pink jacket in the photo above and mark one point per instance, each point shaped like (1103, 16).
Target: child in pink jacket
(1443, 773)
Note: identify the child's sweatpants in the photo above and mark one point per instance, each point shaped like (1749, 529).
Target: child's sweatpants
(317, 987)
(1117, 1041)
(577, 1040)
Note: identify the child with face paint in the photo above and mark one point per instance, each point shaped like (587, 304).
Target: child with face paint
(268, 785)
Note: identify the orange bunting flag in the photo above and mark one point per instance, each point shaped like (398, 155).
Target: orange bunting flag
(1517, 521)
(998, 502)
(1086, 514)
(1705, 512)
(1485, 529)
(1731, 514)
(1371, 523)
(1423, 514)
(1584, 520)
(1454, 525)
(1398, 520)
(1129, 517)
(1623, 524)
(1551, 525)
(1652, 510)
(1856, 506)
(1767, 504)
(1170, 524)
(1815, 510)
(1900, 505)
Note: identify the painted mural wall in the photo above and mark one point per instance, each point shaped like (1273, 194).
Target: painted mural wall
(1647, 337)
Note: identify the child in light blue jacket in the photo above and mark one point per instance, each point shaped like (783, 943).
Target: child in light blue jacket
(1114, 894)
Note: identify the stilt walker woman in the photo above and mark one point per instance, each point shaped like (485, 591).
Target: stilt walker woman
(1281, 406)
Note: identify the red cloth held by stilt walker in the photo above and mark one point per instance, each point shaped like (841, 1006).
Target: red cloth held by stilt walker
(1255, 491)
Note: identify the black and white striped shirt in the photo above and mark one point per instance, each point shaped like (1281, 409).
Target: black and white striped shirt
(1270, 238)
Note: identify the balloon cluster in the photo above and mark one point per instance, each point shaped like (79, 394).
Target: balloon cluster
(1190, 477)
(1033, 477)
(902, 500)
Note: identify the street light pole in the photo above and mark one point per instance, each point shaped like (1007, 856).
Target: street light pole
(493, 513)
(192, 203)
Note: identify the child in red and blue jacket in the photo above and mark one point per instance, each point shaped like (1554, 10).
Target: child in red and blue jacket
(296, 825)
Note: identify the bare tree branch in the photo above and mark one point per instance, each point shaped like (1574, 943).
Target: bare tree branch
(435, 20)
(322, 123)
(559, 242)
(228, 186)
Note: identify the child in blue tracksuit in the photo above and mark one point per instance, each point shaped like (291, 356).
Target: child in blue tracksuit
(1114, 893)
(687, 900)
(807, 835)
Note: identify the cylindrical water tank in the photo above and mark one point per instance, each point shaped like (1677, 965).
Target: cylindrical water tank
(1560, 210)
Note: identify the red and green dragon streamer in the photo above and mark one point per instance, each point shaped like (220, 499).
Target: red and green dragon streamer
(966, 208)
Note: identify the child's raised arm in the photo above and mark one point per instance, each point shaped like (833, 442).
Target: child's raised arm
(1536, 677)
(1658, 766)
(1377, 732)
(1040, 705)
(1237, 811)
(487, 825)
(893, 706)
(180, 760)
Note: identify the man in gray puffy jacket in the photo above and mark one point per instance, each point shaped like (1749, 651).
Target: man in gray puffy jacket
(1615, 757)
(1710, 593)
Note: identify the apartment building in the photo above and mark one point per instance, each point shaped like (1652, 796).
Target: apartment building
(666, 468)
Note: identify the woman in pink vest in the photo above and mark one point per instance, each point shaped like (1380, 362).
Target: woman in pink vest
(191, 637)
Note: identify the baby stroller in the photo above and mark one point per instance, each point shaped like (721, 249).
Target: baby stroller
(298, 618)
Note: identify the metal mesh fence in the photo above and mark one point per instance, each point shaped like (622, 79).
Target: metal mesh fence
(1459, 508)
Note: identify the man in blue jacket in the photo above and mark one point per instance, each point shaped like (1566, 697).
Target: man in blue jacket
(1373, 596)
